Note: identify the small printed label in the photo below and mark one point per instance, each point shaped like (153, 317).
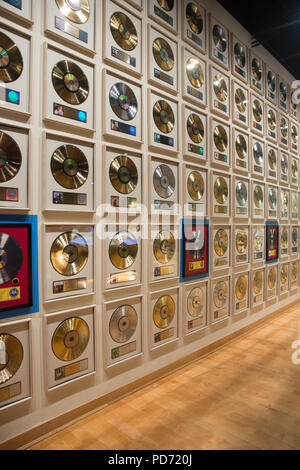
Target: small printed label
(9, 194)
(258, 169)
(284, 177)
(60, 287)
(257, 126)
(258, 212)
(10, 392)
(123, 202)
(164, 335)
(163, 15)
(272, 174)
(220, 56)
(220, 313)
(272, 213)
(218, 263)
(241, 210)
(220, 106)
(120, 278)
(69, 198)
(196, 149)
(241, 305)
(257, 256)
(120, 55)
(257, 298)
(163, 76)
(123, 128)
(69, 113)
(257, 84)
(197, 323)
(294, 250)
(240, 71)
(10, 293)
(284, 251)
(196, 265)
(272, 134)
(241, 163)
(123, 350)
(241, 117)
(221, 209)
(70, 369)
(162, 139)
(194, 38)
(164, 270)
(194, 207)
(195, 93)
(67, 28)
(221, 157)
(163, 205)
(241, 258)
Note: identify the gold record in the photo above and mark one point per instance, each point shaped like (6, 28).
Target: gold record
(70, 82)
(294, 271)
(70, 339)
(258, 196)
(272, 278)
(123, 323)
(241, 146)
(163, 54)
(11, 62)
(240, 100)
(221, 242)
(10, 158)
(257, 282)
(294, 168)
(77, 11)
(163, 116)
(220, 294)
(241, 288)
(294, 135)
(123, 250)
(257, 111)
(195, 302)
(272, 159)
(241, 241)
(69, 253)
(164, 247)
(194, 18)
(284, 127)
(123, 31)
(220, 87)
(195, 185)
(195, 128)
(13, 357)
(284, 274)
(220, 138)
(69, 167)
(271, 119)
(167, 5)
(164, 311)
(284, 237)
(195, 73)
(123, 174)
(221, 190)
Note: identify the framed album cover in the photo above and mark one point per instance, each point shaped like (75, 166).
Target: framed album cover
(194, 249)
(272, 244)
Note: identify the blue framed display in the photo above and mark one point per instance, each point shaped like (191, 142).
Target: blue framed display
(19, 280)
(194, 252)
(272, 242)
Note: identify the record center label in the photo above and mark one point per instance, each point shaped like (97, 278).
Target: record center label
(123, 350)
(65, 27)
(9, 194)
(164, 335)
(115, 52)
(162, 139)
(69, 198)
(163, 15)
(163, 76)
(69, 113)
(70, 369)
(60, 287)
(122, 127)
(10, 392)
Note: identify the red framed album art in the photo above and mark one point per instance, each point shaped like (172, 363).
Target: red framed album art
(272, 244)
(195, 249)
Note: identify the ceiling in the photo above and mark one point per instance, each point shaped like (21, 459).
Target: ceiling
(275, 24)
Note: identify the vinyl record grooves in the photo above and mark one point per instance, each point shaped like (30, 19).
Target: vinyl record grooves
(271, 79)
(70, 82)
(220, 294)
(164, 181)
(221, 242)
(13, 357)
(123, 101)
(11, 258)
(284, 275)
(196, 244)
(257, 111)
(164, 247)
(195, 73)
(256, 69)
(195, 302)
(10, 158)
(123, 323)
(272, 278)
(195, 128)
(240, 55)
(77, 11)
(219, 38)
(241, 241)
(123, 174)
(167, 5)
(241, 192)
(258, 196)
(123, 31)
(163, 116)
(241, 146)
(272, 159)
(272, 198)
(257, 282)
(240, 100)
(69, 254)
(164, 311)
(69, 167)
(220, 87)
(271, 119)
(258, 153)
(123, 250)
(70, 339)
(195, 185)
(221, 190)
(194, 18)
(163, 54)
(11, 62)
(284, 238)
(220, 138)
(241, 288)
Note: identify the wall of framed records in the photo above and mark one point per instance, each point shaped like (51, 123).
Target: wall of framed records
(123, 122)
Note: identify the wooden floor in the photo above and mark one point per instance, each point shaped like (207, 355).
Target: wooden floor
(243, 396)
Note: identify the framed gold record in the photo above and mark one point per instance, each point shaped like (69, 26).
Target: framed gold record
(70, 82)
(163, 116)
(69, 253)
(70, 339)
(164, 312)
(123, 31)
(194, 27)
(14, 354)
(11, 61)
(77, 11)
(123, 250)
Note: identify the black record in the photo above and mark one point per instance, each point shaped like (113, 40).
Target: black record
(194, 18)
(70, 82)
(123, 101)
(11, 258)
(10, 158)
(220, 38)
(69, 167)
(11, 62)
